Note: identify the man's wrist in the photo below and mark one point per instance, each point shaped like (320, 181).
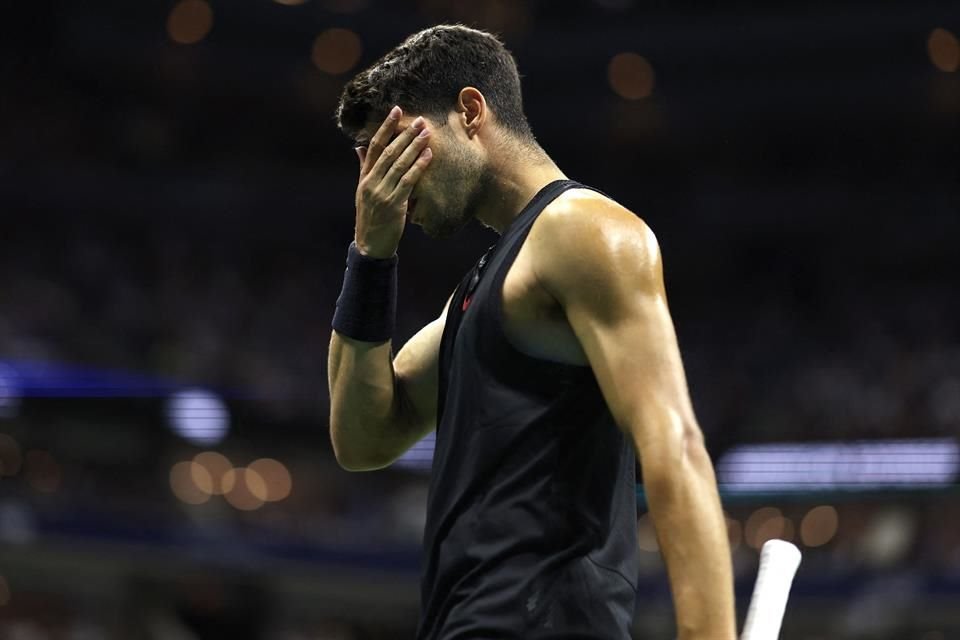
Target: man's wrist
(367, 306)
(374, 253)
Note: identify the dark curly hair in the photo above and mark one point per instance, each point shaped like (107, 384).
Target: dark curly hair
(424, 75)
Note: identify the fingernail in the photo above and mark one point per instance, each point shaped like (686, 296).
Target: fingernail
(395, 113)
(424, 133)
(427, 153)
(418, 122)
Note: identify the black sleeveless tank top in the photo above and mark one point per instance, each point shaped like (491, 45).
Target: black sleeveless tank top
(531, 528)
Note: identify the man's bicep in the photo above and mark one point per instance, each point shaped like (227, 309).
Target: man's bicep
(417, 369)
(637, 362)
(614, 299)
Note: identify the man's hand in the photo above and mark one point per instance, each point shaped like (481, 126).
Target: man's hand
(389, 170)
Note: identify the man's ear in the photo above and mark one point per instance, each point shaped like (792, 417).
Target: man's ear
(472, 108)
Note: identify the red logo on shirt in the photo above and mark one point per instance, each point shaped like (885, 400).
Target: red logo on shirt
(466, 303)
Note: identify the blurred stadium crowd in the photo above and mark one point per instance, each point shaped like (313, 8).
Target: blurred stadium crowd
(796, 356)
(177, 203)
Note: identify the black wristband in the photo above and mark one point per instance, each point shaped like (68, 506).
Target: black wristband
(367, 306)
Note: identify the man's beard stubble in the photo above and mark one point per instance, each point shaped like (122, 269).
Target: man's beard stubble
(463, 195)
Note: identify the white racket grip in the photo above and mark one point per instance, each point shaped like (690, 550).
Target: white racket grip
(779, 561)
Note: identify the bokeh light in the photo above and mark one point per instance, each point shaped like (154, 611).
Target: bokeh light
(190, 21)
(779, 527)
(944, 50)
(10, 458)
(763, 524)
(336, 51)
(228, 481)
(243, 488)
(183, 485)
(217, 466)
(889, 536)
(201, 478)
(42, 471)
(199, 416)
(631, 76)
(819, 526)
(276, 477)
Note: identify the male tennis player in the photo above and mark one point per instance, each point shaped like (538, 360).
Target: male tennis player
(552, 366)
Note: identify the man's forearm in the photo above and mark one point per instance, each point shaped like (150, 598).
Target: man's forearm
(691, 529)
(361, 381)
(364, 406)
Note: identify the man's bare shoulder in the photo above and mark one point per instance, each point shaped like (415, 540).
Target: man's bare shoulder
(585, 239)
(574, 203)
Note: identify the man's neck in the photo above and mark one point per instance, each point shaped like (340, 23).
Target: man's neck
(517, 177)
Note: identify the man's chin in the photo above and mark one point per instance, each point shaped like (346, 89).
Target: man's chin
(433, 232)
(438, 230)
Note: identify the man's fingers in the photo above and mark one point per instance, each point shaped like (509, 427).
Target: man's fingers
(406, 159)
(391, 154)
(380, 139)
(409, 180)
(362, 154)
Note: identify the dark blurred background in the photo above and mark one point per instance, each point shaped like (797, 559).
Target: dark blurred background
(176, 204)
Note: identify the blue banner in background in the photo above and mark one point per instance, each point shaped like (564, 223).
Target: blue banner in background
(35, 379)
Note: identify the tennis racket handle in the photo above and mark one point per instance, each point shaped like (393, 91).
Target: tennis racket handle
(779, 561)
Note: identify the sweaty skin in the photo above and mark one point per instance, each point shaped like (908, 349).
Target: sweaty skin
(586, 288)
(598, 266)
